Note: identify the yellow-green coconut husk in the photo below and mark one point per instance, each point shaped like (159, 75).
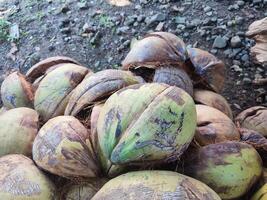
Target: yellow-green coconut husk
(146, 123)
(16, 91)
(63, 147)
(18, 128)
(229, 168)
(53, 92)
(156, 185)
(20, 179)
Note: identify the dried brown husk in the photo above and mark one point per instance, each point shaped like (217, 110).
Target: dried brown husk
(213, 126)
(254, 118)
(214, 100)
(208, 71)
(41, 67)
(155, 49)
(258, 31)
(175, 77)
(97, 88)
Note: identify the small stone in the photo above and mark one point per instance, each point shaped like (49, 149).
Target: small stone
(239, 20)
(236, 42)
(209, 13)
(140, 18)
(66, 30)
(51, 48)
(160, 26)
(214, 51)
(255, 2)
(219, 43)
(207, 9)
(14, 31)
(65, 8)
(236, 68)
(247, 80)
(122, 29)
(155, 18)
(96, 39)
(97, 64)
(245, 58)
(83, 5)
(240, 3)
(180, 20)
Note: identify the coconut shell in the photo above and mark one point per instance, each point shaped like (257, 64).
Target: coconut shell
(16, 91)
(209, 72)
(213, 126)
(62, 147)
(229, 168)
(146, 123)
(214, 100)
(54, 90)
(156, 49)
(18, 129)
(41, 67)
(98, 87)
(254, 118)
(156, 185)
(20, 179)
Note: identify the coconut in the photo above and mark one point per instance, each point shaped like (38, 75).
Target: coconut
(53, 92)
(146, 123)
(213, 126)
(18, 128)
(63, 147)
(20, 179)
(229, 168)
(156, 185)
(214, 100)
(16, 91)
(254, 118)
(82, 191)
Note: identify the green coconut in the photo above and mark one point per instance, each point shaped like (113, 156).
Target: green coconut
(146, 123)
(53, 92)
(20, 179)
(18, 128)
(156, 185)
(16, 91)
(229, 168)
(82, 191)
(63, 147)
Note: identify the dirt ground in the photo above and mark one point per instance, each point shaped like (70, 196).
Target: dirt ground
(99, 34)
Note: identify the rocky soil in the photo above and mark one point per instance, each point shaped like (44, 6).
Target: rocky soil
(99, 35)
